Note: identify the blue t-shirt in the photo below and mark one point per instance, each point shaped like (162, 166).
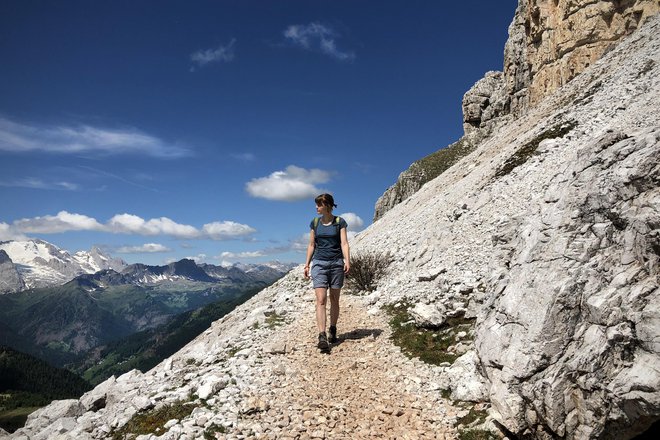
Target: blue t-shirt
(328, 240)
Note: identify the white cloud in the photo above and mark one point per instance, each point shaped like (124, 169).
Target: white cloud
(132, 224)
(199, 258)
(21, 138)
(147, 248)
(315, 36)
(7, 232)
(35, 183)
(128, 224)
(355, 223)
(300, 243)
(221, 53)
(226, 229)
(290, 185)
(240, 255)
(62, 222)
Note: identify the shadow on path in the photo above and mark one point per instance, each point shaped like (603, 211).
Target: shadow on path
(360, 333)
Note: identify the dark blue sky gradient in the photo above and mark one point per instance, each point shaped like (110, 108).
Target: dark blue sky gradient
(127, 65)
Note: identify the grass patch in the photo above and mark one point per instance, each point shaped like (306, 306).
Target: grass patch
(273, 320)
(475, 415)
(211, 431)
(428, 168)
(429, 345)
(437, 163)
(476, 434)
(527, 151)
(469, 425)
(233, 349)
(153, 421)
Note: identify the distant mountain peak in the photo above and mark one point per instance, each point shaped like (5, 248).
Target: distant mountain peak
(42, 264)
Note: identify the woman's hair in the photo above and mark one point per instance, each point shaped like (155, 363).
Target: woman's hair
(326, 200)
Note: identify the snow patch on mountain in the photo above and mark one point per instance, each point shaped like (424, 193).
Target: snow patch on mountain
(41, 264)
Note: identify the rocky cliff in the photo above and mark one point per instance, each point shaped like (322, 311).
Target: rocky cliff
(545, 240)
(550, 42)
(548, 234)
(10, 279)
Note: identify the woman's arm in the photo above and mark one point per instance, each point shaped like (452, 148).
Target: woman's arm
(345, 250)
(310, 252)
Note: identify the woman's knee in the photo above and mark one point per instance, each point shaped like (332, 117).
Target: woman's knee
(321, 298)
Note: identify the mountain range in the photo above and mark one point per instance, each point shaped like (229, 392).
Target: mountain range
(37, 263)
(106, 299)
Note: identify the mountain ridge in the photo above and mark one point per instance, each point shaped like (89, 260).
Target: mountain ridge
(42, 264)
(549, 44)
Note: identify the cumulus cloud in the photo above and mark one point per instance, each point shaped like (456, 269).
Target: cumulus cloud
(240, 255)
(147, 248)
(355, 223)
(292, 184)
(62, 222)
(199, 258)
(132, 224)
(317, 37)
(300, 243)
(128, 224)
(226, 229)
(220, 54)
(7, 232)
(21, 138)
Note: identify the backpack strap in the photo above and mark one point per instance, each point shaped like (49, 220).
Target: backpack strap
(336, 223)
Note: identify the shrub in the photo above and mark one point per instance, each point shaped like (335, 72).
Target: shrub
(367, 269)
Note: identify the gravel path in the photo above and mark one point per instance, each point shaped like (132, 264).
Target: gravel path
(365, 388)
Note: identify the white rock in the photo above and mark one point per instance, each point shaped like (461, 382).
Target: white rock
(427, 315)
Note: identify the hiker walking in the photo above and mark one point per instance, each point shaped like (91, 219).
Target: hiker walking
(329, 258)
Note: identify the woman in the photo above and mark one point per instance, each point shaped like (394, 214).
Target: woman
(329, 257)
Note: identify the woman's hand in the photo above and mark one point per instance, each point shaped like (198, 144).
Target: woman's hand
(306, 271)
(347, 266)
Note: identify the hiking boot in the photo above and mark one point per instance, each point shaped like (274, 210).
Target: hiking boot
(333, 334)
(323, 342)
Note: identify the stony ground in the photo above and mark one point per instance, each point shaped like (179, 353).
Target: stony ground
(365, 388)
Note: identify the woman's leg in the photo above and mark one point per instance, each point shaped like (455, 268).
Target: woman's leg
(334, 306)
(321, 295)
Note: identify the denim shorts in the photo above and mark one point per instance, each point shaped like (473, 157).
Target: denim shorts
(328, 273)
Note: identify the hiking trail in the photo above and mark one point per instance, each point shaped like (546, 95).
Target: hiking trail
(364, 389)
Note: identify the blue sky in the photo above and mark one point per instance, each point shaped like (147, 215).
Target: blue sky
(160, 130)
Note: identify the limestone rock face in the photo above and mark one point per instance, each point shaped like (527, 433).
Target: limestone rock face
(550, 42)
(548, 233)
(483, 103)
(408, 183)
(424, 170)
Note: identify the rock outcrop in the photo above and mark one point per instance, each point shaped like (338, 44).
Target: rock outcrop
(550, 42)
(420, 172)
(553, 223)
(546, 237)
(10, 279)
